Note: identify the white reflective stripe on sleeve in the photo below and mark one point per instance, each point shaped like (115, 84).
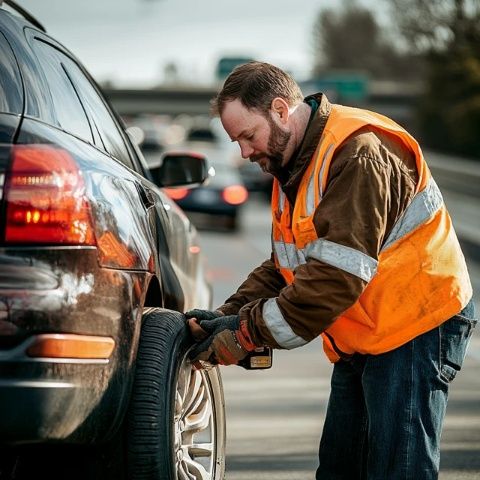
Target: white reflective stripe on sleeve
(281, 254)
(421, 208)
(296, 257)
(288, 256)
(279, 328)
(345, 258)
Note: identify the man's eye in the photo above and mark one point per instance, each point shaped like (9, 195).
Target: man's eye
(250, 137)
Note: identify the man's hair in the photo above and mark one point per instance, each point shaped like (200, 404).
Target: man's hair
(256, 84)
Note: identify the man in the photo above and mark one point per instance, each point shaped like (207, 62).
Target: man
(363, 253)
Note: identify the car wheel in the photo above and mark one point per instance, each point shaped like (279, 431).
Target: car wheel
(176, 418)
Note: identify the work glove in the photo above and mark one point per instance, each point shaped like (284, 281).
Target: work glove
(198, 314)
(226, 341)
(203, 314)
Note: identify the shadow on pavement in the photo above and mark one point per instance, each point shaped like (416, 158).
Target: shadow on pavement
(270, 463)
(464, 460)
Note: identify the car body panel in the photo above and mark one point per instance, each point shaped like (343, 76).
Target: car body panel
(66, 291)
(8, 128)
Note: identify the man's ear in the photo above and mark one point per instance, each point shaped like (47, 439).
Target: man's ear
(280, 109)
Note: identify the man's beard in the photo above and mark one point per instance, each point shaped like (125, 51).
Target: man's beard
(277, 142)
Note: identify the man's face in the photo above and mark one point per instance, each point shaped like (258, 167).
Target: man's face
(260, 138)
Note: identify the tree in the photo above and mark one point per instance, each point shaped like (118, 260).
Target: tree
(438, 26)
(447, 34)
(352, 39)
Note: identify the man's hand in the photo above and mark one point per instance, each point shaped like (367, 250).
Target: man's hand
(227, 343)
(193, 316)
(203, 314)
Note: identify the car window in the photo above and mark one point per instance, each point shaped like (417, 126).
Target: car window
(68, 111)
(11, 100)
(112, 140)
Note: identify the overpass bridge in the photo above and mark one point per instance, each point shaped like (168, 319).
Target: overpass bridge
(162, 100)
(394, 100)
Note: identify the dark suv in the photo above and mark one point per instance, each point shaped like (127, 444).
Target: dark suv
(96, 264)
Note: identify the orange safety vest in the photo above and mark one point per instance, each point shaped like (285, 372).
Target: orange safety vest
(420, 278)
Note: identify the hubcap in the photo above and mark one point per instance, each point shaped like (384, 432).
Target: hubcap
(194, 425)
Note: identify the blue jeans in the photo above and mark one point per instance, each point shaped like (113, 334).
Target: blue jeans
(385, 412)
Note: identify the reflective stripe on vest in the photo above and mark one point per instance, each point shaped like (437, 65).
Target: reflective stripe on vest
(281, 200)
(324, 164)
(279, 328)
(424, 205)
(344, 258)
(311, 206)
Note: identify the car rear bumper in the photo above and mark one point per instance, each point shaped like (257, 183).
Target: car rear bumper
(59, 397)
(34, 413)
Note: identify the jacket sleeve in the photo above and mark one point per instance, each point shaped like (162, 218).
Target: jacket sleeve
(364, 197)
(263, 282)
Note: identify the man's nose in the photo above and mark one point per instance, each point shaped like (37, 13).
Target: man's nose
(246, 151)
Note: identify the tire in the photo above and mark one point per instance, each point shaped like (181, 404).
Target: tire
(176, 418)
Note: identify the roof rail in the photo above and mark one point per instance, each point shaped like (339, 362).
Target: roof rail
(26, 15)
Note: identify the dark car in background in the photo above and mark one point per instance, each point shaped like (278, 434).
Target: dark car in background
(254, 178)
(221, 197)
(96, 266)
(219, 201)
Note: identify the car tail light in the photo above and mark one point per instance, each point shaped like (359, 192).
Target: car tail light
(235, 194)
(45, 195)
(114, 252)
(176, 193)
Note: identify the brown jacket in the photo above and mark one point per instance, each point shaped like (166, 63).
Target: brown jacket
(371, 181)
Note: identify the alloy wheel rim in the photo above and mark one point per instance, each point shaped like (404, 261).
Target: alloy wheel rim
(194, 425)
